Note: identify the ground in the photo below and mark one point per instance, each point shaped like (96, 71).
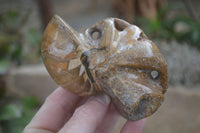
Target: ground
(178, 114)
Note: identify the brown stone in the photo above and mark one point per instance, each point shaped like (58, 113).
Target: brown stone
(112, 57)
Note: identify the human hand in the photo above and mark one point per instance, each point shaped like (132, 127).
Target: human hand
(64, 112)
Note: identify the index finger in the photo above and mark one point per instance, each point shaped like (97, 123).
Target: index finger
(57, 108)
(134, 126)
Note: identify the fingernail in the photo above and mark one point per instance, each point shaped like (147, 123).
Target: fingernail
(102, 98)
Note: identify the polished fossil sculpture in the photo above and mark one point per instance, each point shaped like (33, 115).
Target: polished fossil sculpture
(112, 57)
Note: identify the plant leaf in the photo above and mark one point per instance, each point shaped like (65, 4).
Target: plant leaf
(10, 111)
(4, 66)
(29, 102)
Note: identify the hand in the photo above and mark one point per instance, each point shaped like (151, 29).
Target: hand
(64, 112)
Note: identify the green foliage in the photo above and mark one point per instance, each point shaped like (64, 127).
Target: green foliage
(165, 25)
(29, 102)
(192, 35)
(34, 39)
(11, 19)
(15, 115)
(4, 65)
(10, 38)
(13, 40)
(10, 111)
(10, 35)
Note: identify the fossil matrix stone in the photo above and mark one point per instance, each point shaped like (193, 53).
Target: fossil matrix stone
(112, 57)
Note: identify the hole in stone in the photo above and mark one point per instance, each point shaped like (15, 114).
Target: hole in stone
(96, 34)
(142, 36)
(120, 25)
(154, 74)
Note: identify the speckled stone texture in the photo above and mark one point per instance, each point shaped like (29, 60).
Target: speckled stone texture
(112, 57)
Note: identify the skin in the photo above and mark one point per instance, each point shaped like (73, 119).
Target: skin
(86, 115)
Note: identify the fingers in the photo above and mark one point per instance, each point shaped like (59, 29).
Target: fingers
(57, 108)
(134, 126)
(109, 121)
(87, 117)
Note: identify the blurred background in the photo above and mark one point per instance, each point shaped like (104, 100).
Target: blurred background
(174, 25)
